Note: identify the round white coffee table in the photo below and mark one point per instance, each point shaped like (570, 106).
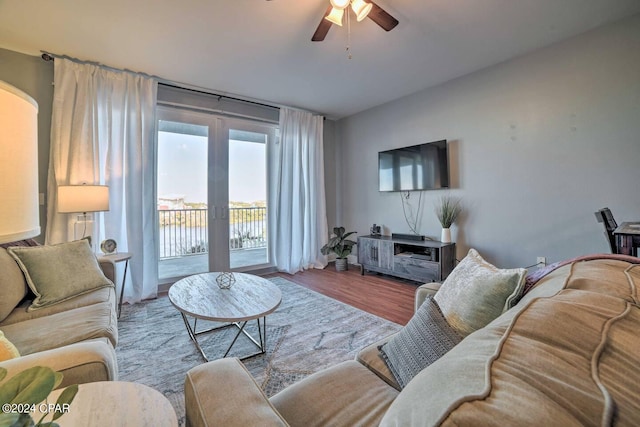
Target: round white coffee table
(113, 403)
(249, 298)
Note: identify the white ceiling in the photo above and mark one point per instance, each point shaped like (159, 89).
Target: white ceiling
(262, 49)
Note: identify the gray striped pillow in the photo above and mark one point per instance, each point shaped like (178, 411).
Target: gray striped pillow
(425, 339)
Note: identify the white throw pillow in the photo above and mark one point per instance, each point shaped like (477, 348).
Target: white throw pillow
(476, 292)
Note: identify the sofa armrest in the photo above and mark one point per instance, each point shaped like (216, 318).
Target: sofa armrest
(108, 268)
(223, 393)
(424, 291)
(79, 363)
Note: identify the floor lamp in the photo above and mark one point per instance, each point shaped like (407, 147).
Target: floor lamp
(82, 199)
(19, 211)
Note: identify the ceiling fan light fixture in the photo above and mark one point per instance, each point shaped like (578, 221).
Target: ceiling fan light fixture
(335, 16)
(361, 8)
(340, 4)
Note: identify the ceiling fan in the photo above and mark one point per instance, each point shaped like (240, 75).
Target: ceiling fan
(362, 9)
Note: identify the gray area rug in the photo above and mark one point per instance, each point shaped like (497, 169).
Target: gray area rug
(307, 333)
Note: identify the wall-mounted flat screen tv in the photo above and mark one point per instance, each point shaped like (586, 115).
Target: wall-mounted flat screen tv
(414, 168)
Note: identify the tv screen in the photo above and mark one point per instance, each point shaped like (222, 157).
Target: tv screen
(418, 167)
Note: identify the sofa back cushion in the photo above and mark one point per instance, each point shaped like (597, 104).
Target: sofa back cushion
(570, 358)
(13, 286)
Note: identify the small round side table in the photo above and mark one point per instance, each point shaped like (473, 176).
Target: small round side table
(114, 259)
(114, 403)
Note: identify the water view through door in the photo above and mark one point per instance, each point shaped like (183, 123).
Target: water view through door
(247, 198)
(211, 187)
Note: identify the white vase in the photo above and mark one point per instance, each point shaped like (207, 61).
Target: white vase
(445, 236)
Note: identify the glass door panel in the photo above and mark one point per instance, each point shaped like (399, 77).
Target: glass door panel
(183, 218)
(212, 193)
(248, 240)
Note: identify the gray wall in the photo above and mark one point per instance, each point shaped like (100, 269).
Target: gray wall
(330, 171)
(33, 76)
(537, 144)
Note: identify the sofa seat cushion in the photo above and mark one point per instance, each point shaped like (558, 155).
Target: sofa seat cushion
(99, 296)
(57, 273)
(371, 358)
(67, 327)
(347, 394)
(566, 359)
(13, 286)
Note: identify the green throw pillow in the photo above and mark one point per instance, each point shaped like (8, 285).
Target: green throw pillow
(56, 273)
(477, 292)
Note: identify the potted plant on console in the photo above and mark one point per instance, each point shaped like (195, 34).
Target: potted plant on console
(447, 211)
(341, 246)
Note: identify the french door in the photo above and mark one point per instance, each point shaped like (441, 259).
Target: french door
(212, 193)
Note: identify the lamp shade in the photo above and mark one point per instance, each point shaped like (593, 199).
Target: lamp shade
(19, 213)
(335, 16)
(361, 8)
(339, 4)
(83, 198)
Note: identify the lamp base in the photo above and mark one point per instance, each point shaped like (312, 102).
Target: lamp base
(83, 227)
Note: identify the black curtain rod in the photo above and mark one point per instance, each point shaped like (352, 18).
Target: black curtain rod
(217, 94)
(51, 58)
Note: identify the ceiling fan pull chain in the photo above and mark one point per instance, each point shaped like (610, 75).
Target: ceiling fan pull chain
(348, 34)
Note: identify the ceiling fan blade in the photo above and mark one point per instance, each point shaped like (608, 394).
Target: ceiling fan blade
(382, 18)
(323, 27)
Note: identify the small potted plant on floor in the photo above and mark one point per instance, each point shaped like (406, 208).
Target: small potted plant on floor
(341, 246)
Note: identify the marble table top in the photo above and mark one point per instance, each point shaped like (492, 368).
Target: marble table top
(250, 297)
(114, 403)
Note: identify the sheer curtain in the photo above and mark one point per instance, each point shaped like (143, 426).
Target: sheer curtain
(297, 195)
(102, 132)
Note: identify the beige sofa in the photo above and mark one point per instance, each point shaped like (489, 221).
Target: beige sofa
(76, 337)
(567, 354)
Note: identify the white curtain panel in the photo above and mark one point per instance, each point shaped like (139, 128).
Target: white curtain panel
(102, 132)
(297, 194)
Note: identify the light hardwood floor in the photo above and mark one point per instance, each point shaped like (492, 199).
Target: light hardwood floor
(386, 297)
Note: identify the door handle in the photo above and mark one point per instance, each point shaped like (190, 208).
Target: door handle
(213, 212)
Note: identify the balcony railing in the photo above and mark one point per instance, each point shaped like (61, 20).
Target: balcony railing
(184, 232)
